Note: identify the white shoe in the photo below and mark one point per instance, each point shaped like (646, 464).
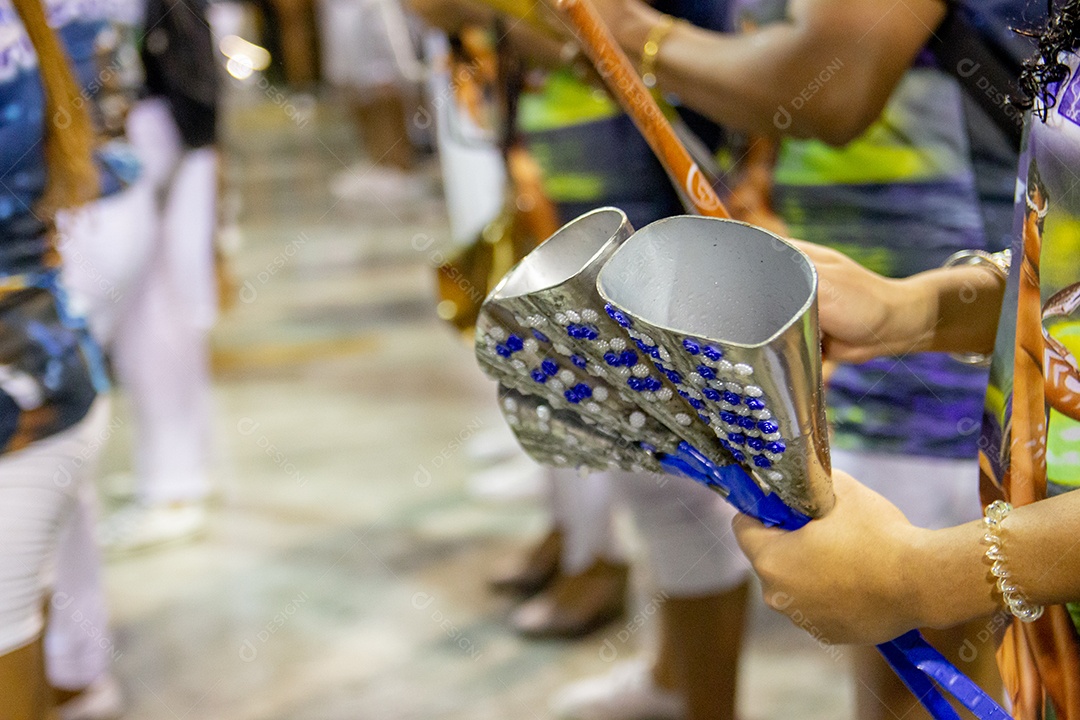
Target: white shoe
(626, 692)
(103, 700)
(138, 526)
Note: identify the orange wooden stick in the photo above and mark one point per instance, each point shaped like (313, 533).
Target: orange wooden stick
(622, 80)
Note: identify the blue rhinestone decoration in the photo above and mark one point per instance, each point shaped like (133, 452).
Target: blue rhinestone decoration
(617, 316)
(580, 331)
(579, 392)
(719, 389)
(743, 422)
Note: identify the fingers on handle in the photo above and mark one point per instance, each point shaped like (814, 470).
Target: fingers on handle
(751, 535)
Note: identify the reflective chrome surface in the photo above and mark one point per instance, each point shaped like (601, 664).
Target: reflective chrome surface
(610, 348)
(729, 314)
(525, 339)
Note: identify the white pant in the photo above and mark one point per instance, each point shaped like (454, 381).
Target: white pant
(78, 645)
(581, 508)
(141, 264)
(39, 487)
(933, 493)
(686, 528)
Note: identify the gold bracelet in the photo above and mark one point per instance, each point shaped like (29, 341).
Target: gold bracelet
(652, 48)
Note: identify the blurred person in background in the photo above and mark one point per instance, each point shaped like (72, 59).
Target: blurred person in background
(105, 246)
(371, 52)
(52, 369)
(590, 154)
(887, 158)
(159, 332)
(864, 572)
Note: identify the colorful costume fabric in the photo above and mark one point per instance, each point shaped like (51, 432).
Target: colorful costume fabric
(50, 369)
(1030, 444)
(931, 176)
(590, 152)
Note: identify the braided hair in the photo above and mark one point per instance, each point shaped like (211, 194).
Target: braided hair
(1045, 69)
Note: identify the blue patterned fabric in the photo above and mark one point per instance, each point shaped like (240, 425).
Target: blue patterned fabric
(932, 175)
(50, 369)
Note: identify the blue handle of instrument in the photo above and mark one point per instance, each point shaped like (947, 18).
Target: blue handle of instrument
(917, 664)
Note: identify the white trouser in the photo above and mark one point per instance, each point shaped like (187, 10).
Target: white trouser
(78, 646)
(106, 246)
(140, 264)
(161, 351)
(581, 508)
(39, 489)
(686, 529)
(933, 493)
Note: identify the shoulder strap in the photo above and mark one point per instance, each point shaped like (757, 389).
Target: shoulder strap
(986, 71)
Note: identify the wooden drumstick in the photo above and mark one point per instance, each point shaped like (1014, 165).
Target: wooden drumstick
(622, 80)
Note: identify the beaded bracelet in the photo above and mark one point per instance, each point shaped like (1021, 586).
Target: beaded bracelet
(1014, 598)
(999, 262)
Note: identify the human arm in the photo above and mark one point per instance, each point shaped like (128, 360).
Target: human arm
(541, 47)
(863, 314)
(753, 80)
(864, 574)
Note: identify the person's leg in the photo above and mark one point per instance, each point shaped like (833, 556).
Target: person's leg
(297, 28)
(702, 642)
(701, 580)
(22, 683)
(933, 493)
(78, 646)
(703, 576)
(381, 115)
(540, 565)
(582, 509)
(590, 586)
(162, 353)
(37, 488)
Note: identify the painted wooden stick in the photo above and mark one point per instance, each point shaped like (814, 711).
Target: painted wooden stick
(619, 75)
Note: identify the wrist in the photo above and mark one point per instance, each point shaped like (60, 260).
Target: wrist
(632, 28)
(910, 314)
(947, 576)
(903, 315)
